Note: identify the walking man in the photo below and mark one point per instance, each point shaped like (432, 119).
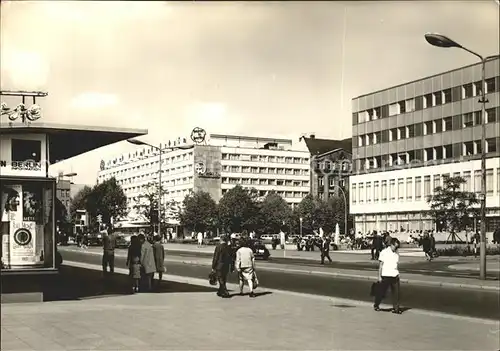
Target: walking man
(108, 254)
(376, 241)
(222, 263)
(325, 250)
(245, 265)
(148, 265)
(388, 276)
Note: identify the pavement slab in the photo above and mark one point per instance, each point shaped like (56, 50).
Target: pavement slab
(202, 321)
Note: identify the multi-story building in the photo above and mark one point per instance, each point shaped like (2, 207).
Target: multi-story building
(408, 137)
(63, 190)
(224, 161)
(330, 166)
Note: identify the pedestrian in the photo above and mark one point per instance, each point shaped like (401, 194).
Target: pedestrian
(282, 239)
(108, 254)
(222, 263)
(200, 239)
(134, 262)
(388, 276)
(245, 265)
(476, 239)
(375, 245)
(325, 250)
(426, 247)
(148, 266)
(159, 255)
(433, 245)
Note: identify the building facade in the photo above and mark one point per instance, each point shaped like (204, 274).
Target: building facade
(63, 193)
(407, 138)
(226, 160)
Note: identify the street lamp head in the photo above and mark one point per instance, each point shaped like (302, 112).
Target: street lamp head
(70, 174)
(441, 41)
(185, 147)
(136, 142)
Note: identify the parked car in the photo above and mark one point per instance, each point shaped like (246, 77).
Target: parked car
(123, 240)
(94, 239)
(266, 237)
(259, 249)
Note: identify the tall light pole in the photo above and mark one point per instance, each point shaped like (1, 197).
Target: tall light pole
(445, 42)
(160, 150)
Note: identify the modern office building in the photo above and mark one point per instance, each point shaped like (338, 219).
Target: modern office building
(221, 163)
(408, 137)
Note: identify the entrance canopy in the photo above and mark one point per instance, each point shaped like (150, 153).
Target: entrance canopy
(66, 141)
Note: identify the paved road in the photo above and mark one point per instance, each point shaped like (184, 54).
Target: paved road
(483, 304)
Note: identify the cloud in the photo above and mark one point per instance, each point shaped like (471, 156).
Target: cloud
(24, 70)
(93, 100)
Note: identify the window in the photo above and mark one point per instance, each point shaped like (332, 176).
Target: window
(368, 192)
(491, 116)
(428, 100)
(418, 188)
(438, 126)
(409, 189)
(477, 118)
(24, 150)
(477, 181)
(428, 128)
(448, 151)
(393, 134)
(467, 178)
(438, 98)
(410, 105)
(489, 181)
(427, 186)
(437, 182)
(467, 91)
(392, 189)
(490, 85)
(393, 109)
(377, 112)
(448, 124)
(402, 106)
(418, 129)
(384, 190)
(377, 137)
(491, 145)
(361, 140)
(401, 133)
(478, 146)
(401, 188)
(354, 193)
(439, 152)
(467, 120)
(384, 136)
(419, 103)
(446, 96)
(477, 88)
(429, 154)
(375, 191)
(410, 131)
(361, 193)
(468, 149)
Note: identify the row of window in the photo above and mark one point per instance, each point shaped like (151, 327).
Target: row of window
(146, 176)
(332, 182)
(437, 98)
(165, 185)
(265, 158)
(441, 125)
(283, 194)
(416, 157)
(417, 188)
(271, 182)
(265, 170)
(166, 160)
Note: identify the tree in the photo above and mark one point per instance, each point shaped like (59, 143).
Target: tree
(147, 205)
(238, 209)
(305, 210)
(79, 202)
(338, 206)
(61, 213)
(452, 207)
(274, 212)
(108, 200)
(199, 211)
(324, 216)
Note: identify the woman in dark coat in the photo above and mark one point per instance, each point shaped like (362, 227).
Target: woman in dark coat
(159, 254)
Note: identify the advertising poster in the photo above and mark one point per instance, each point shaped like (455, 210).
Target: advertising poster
(22, 243)
(11, 210)
(32, 204)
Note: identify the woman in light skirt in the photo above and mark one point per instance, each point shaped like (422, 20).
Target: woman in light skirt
(245, 265)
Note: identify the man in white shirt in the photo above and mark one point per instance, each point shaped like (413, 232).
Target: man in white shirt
(245, 265)
(388, 276)
(200, 239)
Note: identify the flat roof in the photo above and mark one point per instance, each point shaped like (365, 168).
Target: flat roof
(424, 78)
(67, 141)
(249, 138)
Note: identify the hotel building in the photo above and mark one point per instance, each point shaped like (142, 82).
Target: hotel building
(408, 137)
(224, 161)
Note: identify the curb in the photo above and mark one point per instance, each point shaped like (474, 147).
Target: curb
(344, 275)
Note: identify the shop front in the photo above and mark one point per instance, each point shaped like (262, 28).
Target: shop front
(27, 197)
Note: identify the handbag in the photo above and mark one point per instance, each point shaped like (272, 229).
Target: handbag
(255, 280)
(376, 289)
(212, 278)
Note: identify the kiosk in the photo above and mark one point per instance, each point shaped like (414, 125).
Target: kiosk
(27, 192)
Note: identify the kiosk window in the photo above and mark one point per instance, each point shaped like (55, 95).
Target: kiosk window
(23, 150)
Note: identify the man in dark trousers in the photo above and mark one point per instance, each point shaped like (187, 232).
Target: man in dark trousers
(222, 263)
(325, 250)
(375, 249)
(108, 254)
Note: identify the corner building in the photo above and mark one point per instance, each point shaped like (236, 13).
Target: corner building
(225, 161)
(408, 137)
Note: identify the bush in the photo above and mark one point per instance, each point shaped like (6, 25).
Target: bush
(466, 251)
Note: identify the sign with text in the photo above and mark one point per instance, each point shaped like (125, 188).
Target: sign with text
(22, 243)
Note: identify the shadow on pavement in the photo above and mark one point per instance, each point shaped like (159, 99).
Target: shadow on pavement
(257, 294)
(74, 283)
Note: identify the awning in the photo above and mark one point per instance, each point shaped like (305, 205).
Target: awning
(66, 141)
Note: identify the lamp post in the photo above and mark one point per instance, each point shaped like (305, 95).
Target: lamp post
(445, 42)
(160, 150)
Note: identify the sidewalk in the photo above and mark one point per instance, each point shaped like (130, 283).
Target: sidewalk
(491, 266)
(202, 321)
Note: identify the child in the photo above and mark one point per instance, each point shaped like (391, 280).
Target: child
(133, 262)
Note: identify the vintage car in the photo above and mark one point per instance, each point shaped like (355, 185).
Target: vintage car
(259, 249)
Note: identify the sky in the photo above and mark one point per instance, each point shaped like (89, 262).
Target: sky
(279, 69)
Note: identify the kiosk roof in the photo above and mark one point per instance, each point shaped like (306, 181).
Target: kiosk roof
(66, 141)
